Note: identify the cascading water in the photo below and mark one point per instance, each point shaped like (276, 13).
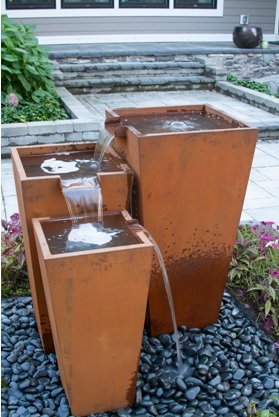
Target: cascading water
(83, 195)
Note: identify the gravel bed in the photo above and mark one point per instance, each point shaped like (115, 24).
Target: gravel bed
(227, 365)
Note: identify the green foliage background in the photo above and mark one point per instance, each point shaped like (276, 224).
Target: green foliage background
(26, 69)
(27, 72)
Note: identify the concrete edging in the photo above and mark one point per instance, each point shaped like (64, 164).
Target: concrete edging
(79, 128)
(255, 98)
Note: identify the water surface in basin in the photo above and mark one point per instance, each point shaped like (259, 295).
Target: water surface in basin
(68, 165)
(87, 234)
(177, 122)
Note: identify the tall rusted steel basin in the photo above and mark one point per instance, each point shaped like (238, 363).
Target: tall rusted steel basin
(189, 190)
(39, 195)
(97, 302)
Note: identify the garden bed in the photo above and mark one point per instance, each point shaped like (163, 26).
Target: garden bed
(79, 127)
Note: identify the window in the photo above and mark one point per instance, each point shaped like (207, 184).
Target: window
(155, 4)
(30, 4)
(198, 4)
(80, 4)
(113, 8)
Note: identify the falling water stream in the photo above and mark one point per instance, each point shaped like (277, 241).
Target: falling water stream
(84, 194)
(180, 367)
(104, 140)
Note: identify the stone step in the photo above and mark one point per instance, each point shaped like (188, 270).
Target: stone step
(120, 57)
(128, 66)
(133, 74)
(107, 85)
(124, 70)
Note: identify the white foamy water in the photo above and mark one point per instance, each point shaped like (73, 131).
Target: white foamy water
(177, 126)
(87, 233)
(56, 166)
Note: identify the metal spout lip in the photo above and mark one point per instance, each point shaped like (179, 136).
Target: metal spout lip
(116, 129)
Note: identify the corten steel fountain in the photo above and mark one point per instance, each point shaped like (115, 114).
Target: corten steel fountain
(39, 194)
(191, 167)
(96, 300)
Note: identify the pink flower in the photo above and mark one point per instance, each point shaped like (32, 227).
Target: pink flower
(274, 273)
(15, 217)
(276, 344)
(267, 223)
(12, 100)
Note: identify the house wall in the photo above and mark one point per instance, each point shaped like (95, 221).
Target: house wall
(175, 27)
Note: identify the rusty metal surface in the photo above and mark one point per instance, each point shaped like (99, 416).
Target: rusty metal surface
(190, 189)
(42, 196)
(97, 302)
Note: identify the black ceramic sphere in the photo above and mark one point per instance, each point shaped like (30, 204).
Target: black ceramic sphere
(247, 36)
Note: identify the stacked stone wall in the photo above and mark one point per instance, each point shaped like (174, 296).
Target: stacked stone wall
(245, 66)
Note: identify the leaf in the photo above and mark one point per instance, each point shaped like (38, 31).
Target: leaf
(9, 58)
(31, 69)
(5, 68)
(24, 82)
(275, 319)
(23, 51)
(35, 98)
(272, 293)
(264, 413)
(267, 307)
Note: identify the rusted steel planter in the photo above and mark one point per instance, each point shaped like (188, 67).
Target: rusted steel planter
(97, 303)
(189, 188)
(40, 196)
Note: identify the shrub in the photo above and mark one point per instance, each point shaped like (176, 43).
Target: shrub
(26, 69)
(13, 263)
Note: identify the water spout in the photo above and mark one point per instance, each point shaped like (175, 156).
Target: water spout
(104, 140)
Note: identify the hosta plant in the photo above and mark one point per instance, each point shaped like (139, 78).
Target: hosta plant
(26, 70)
(27, 84)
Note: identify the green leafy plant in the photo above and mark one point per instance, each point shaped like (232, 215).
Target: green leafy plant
(268, 290)
(245, 255)
(49, 108)
(254, 270)
(14, 279)
(28, 89)
(26, 70)
(251, 411)
(253, 85)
